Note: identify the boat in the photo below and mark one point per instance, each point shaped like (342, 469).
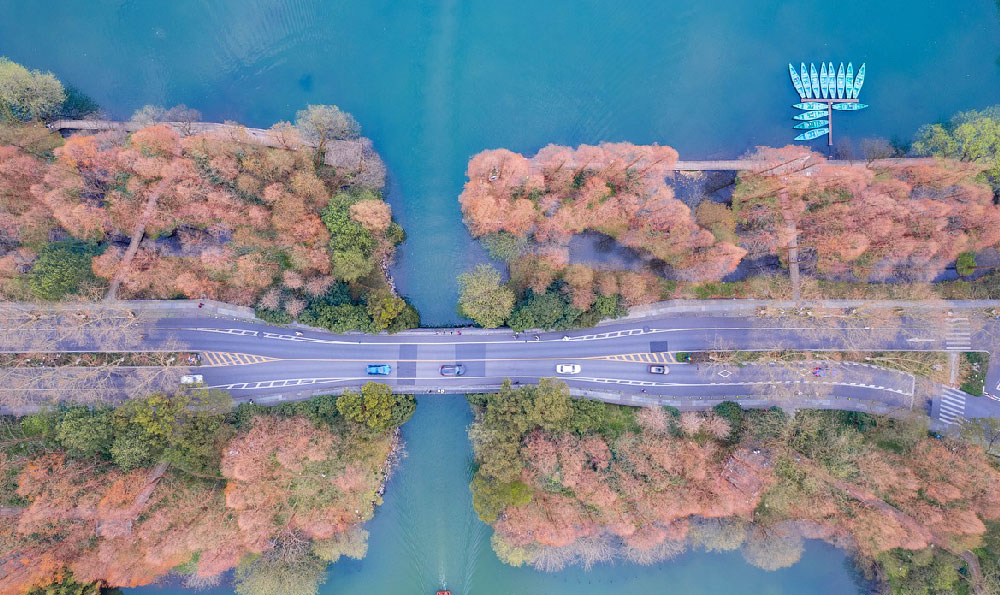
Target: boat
(815, 115)
(814, 77)
(831, 80)
(849, 81)
(840, 81)
(809, 125)
(859, 80)
(824, 80)
(811, 134)
(849, 107)
(796, 81)
(444, 593)
(806, 81)
(810, 105)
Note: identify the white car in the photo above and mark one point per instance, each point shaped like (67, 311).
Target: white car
(567, 369)
(192, 379)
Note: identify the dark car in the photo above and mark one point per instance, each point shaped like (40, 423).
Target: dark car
(379, 369)
(453, 370)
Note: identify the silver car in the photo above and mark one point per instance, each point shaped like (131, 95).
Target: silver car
(567, 369)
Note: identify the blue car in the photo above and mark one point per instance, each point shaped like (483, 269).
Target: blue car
(379, 369)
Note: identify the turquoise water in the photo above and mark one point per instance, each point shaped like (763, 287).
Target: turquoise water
(426, 537)
(433, 82)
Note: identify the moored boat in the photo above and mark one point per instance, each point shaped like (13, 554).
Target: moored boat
(810, 105)
(831, 80)
(849, 107)
(824, 80)
(840, 81)
(859, 81)
(806, 82)
(811, 134)
(809, 125)
(814, 115)
(814, 77)
(796, 81)
(849, 81)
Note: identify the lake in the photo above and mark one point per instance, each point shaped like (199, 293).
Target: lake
(433, 83)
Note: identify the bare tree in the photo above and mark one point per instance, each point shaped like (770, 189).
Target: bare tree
(876, 148)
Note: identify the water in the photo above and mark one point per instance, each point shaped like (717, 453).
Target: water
(426, 537)
(432, 83)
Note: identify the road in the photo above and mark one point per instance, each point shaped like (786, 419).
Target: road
(257, 361)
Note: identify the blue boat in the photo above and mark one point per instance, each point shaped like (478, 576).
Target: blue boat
(831, 80)
(814, 77)
(859, 81)
(811, 124)
(811, 134)
(806, 81)
(824, 80)
(849, 107)
(816, 115)
(840, 81)
(810, 105)
(849, 81)
(796, 81)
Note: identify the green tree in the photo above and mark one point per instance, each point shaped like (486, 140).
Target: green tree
(490, 498)
(483, 298)
(376, 407)
(85, 432)
(340, 318)
(130, 450)
(504, 245)
(965, 265)
(289, 569)
(27, 95)
(968, 136)
(550, 310)
(69, 586)
(351, 264)
(384, 307)
(319, 124)
(61, 269)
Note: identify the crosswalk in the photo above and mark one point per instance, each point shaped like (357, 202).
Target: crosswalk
(222, 358)
(951, 408)
(959, 334)
(647, 358)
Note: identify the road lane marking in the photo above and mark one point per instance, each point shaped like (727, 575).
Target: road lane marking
(225, 358)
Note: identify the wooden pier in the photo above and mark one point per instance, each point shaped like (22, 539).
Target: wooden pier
(829, 101)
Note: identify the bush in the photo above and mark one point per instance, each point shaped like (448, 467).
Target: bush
(966, 264)
(273, 316)
(61, 269)
(550, 311)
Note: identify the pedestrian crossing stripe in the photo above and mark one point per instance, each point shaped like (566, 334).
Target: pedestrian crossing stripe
(223, 358)
(645, 358)
(951, 408)
(959, 334)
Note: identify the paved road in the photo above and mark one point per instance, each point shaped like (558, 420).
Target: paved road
(259, 361)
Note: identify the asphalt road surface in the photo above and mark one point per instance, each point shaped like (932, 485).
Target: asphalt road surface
(256, 361)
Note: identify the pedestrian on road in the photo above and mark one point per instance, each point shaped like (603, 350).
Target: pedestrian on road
(201, 304)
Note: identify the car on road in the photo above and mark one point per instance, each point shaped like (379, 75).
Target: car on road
(379, 369)
(567, 369)
(452, 370)
(820, 371)
(192, 379)
(657, 369)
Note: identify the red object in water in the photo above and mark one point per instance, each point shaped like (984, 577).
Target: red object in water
(444, 593)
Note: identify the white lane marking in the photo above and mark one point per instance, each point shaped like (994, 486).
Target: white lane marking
(268, 335)
(746, 383)
(958, 336)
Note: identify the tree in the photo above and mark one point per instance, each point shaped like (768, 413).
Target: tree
(319, 124)
(772, 549)
(287, 569)
(504, 245)
(85, 432)
(61, 269)
(384, 308)
(351, 264)
(876, 148)
(965, 265)
(376, 406)
(482, 297)
(27, 95)
(969, 136)
(549, 310)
